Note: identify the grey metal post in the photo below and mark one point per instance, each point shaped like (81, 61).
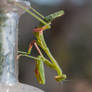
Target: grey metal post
(9, 16)
(8, 46)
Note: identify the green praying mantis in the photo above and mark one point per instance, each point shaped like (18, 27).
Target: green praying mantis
(45, 23)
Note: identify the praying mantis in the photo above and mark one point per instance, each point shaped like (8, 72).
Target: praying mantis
(45, 24)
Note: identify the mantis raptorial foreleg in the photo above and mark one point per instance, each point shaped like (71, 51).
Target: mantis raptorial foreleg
(36, 46)
(39, 70)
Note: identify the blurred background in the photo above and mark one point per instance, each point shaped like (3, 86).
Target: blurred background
(69, 40)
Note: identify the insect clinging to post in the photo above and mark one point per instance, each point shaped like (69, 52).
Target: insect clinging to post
(39, 43)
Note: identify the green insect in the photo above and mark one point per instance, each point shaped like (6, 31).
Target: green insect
(45, 23)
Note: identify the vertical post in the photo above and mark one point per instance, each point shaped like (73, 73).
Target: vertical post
(9, 16)
(8, 47)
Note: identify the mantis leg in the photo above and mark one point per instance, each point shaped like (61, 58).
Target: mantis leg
(36, 46)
